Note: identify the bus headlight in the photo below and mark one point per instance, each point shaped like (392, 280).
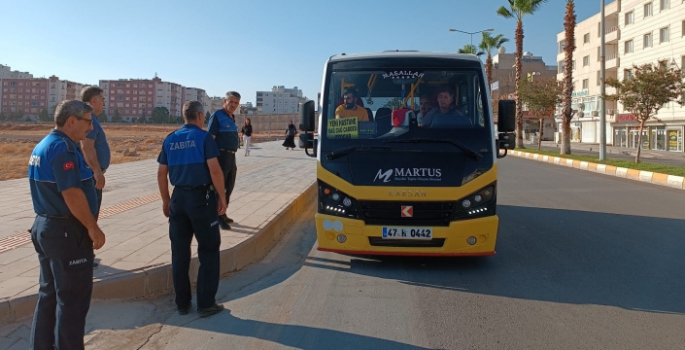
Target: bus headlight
(479, 204)
(330, 203)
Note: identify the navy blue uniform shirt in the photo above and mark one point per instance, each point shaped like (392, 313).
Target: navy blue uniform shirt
(224, 128)
(101, 146)
(56, 164)
(186, 151)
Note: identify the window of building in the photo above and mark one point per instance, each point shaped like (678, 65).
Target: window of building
(648, 10)
(586, 38)
(682, 63)
(647, 40)
(628, 46)
(663, 35)
(562, 45)
(573, 64)
(627, 74)
(599, 77)
(586, 83)
(665, 4)
(586, 60)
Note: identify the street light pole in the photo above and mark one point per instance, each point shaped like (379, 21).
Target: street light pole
(471, 33)
(602, 90)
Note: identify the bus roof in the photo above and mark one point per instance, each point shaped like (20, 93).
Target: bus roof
(403, 54)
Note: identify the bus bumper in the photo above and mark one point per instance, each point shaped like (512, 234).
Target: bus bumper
(348, 236)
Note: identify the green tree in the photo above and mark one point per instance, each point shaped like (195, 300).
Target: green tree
(3, 116)
(646, 90)
(541, 97)
(44, 116)
(570, 46)
(518, 9)
(489, 44)
(103, 117)
(18, 115)
(394, 103)
(470, 49)
(159, 115)
(116, 117)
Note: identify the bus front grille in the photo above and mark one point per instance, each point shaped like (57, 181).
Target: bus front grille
(423, 213)
(406, 243)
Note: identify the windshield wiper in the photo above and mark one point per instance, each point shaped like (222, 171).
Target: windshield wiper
(473, 154)
(345, 151)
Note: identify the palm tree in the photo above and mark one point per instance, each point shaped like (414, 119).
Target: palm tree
(489, 44)
(570, 40)
(470, 49)
(517, 9)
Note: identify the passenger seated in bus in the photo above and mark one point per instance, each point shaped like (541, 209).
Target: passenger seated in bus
(446, 113)
(425, 106)
(350, 108)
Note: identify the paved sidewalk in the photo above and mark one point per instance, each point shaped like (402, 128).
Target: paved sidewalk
(273, 185)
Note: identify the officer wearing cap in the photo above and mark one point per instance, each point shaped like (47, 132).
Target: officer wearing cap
(65, 230)
(189, 159)
(223, 128)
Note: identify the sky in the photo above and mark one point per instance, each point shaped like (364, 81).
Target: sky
(248, 45)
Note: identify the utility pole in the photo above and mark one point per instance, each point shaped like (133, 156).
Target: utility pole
(602, 91)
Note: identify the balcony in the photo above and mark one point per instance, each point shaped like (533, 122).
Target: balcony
(612, 61)
(612, 8)
(612, 35)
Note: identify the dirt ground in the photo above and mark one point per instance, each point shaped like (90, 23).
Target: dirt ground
(128, 143)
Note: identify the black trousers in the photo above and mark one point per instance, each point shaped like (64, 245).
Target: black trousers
(230, 169)
(65, 253)
(194, 211)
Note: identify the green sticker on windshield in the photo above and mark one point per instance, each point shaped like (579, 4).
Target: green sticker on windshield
(344, 128)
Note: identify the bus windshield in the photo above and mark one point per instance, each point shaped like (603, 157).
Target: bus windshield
(406, 104)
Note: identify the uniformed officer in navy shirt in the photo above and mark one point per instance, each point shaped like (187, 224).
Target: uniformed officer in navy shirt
(95, 148)
(65, 231)
(223, 128)
(189, 159)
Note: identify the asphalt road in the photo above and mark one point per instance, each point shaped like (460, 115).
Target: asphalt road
(585, 261)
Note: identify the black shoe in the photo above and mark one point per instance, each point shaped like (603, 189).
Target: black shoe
(95, 264)
(184, 310)
(212, 310)
(229, 220)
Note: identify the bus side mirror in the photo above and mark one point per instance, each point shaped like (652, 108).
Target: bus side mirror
(307, 124)
(506, 117)
(307, 116)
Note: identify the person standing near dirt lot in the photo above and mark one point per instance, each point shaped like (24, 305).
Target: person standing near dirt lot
(189, 159)
(95, 148)
(223, 128)
(247, 135)
(65, 230)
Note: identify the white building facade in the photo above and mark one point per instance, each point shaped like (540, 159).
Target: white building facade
(637, 32)
(280, 100)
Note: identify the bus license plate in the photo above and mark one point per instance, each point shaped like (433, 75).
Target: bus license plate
(407, 233)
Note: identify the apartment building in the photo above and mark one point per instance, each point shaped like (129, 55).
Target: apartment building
(195, 94)
(280, 100)
(636, 32)
(132, 99)
(27, 96)
(504, 85)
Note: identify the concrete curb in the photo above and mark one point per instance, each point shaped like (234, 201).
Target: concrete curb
(626, 173)
(153, 281)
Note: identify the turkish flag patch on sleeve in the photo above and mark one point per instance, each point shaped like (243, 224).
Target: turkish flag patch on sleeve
(68, 166)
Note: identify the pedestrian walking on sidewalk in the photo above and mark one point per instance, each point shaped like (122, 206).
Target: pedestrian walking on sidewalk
(223, 128)
(95, 148)
(290, 133)
(65, 230)
(247, 135)
(189, 158)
